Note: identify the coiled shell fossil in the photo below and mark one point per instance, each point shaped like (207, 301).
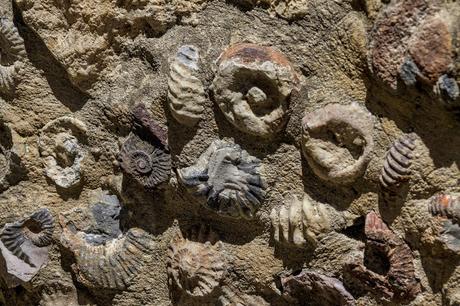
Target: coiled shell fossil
(196, 262)
(186, 94)
(252, 87)
(144, 156)
(229, 178)
(300, 222)
(396, 168)
(60, 146)
(398, 281)
(37, 229)
(13, 54)
(445, 205)
(337, 141)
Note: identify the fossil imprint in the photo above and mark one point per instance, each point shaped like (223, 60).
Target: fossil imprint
(229, 178)
(447, 207)
(252, 87)
(337, 141)
(186, 95)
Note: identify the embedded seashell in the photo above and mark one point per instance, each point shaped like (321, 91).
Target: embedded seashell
(252, 87)
(396, 168)
(196, 263)
(59, 293)
(60, 146)
(186, 95)
(396, 282)
(13, 54)
(112, 265)
(144, 156)
(233, 297)
(37, 229)
(445, 205)
(316, 288)
(337, 142)
(299, 222)
(229, 178)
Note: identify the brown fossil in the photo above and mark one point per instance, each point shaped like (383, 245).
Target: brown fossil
(445, 205)
(392, 278)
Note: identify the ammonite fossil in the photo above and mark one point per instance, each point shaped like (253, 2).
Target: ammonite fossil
(37, 229)
(337, 141)
(300, 222)
(186, 94)
(196, 262)
(396, 168)
(229, 178)
(144, 156)
(12, 52)
(252, 87)
(396, 282)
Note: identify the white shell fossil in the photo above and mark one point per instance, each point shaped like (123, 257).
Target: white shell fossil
(252, 87)
(337, 141)
(229, 178)
(186, 95)
(60, 146)
(300, 222)
(196, 263)
(13, 54)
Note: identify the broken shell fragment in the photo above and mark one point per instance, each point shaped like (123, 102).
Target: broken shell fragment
(186, 95)
(229, 178)
(446, 205)
(337, 142)
(252, 87)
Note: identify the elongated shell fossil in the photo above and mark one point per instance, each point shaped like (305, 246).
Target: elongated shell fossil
(396, 282)
(300, 222)
(252, 87)
(186, 94)
(446, 205)
(229, 178)
(12, 52)
(396, 168)
(144, 156)
(196, 263)
(37, 229)
(337, 141)
(112, 265)
(60, 145)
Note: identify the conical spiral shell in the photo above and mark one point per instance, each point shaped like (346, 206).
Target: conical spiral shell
(38, 228)
(196, 263)
(445, 205)
(396, 168)
(186, 93)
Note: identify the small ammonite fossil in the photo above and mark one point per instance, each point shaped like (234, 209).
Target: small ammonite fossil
(392, 278)
(446, 205)
(396, 168)
(196, 262)
(186, 95)
(300, 222)
(337, 141)
(229, 178)
(36, 230)
(253, 86)
(13, 53)
(144, 156)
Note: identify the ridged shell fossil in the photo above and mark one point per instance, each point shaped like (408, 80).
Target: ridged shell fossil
(396, 168)
(13, 54)
(396, 282)
(446, 205)
(112, 265)
(316, 288)
(60, 146)
(252, 87)
(196, 263)
(337, 142)
(186, 95)
(300, 222)
(144, 156)
(229, 178)
(37, 229)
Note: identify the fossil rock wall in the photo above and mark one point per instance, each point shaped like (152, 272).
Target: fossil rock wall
(229, 152)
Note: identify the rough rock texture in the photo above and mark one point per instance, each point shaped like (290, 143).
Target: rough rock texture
(86, 82)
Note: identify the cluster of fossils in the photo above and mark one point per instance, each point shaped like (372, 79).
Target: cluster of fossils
(252, 88)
